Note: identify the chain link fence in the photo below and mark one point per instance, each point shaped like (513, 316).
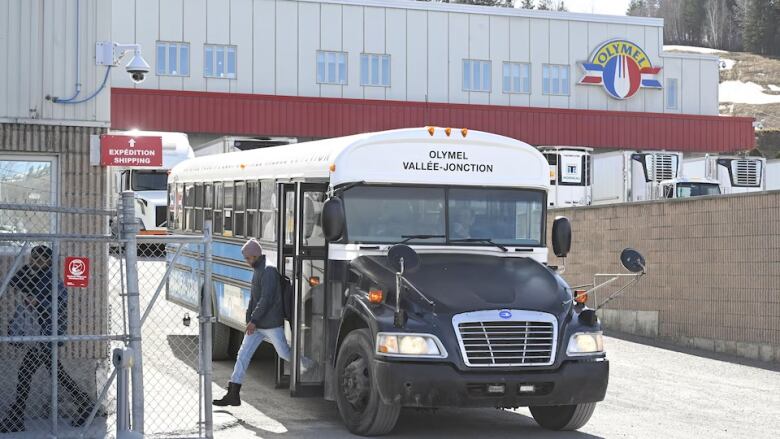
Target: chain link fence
(72, 307)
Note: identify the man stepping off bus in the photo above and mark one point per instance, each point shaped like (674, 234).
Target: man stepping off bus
(264, 320)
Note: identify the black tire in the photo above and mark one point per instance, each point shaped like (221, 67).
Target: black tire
(357, 397)
(220, 342)
(563, 417)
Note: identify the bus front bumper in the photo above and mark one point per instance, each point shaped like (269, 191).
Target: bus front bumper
(441, 385)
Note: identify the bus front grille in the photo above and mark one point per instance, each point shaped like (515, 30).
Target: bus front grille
(515, 341)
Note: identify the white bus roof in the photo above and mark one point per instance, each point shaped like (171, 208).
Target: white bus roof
(176, 146)
(404, 156)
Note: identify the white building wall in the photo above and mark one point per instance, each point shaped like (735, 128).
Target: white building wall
(38, 46)
(277, 41)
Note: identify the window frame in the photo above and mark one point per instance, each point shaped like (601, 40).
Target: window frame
(522, 80)
(168, 44)
(323, 80)
(549, 67)
(368, 56)
(482, 63)
(239, 207)
(54, 183)
(213, 72)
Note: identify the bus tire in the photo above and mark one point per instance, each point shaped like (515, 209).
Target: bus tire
(220, 342)
(357, 398)
(563, 417)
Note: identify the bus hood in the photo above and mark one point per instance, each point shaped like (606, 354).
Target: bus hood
(461, 283)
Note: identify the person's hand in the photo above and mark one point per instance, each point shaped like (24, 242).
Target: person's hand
(250, 328)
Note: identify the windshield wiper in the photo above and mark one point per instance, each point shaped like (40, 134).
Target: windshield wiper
(408, 238)
(486, 240)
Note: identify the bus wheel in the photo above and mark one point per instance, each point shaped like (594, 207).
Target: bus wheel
(563, 417)
(220, 342)
(358, 401)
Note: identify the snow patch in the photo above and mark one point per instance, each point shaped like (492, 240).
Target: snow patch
(693, 49)
(745, 93)
(774, 87)
(726, 64)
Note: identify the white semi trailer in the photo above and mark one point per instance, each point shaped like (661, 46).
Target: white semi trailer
(735, 174)
(150, 183)
(570, 175)
(773, 175)
(626, 176)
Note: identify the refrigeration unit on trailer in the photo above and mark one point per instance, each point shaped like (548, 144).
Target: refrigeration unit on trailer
(419, 266)
(736, 174)
(570, 174)
(773, 175)
(150, 183)
(626, 176)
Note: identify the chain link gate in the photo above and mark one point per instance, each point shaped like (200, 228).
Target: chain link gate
(88, 345)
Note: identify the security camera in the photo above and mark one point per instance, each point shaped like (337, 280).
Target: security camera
(137, 68)
(110, 53)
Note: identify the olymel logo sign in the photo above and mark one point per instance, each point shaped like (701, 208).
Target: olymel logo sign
(621, 67)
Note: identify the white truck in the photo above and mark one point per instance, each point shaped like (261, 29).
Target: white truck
(773, 175)
(570, 175)
(735, 174)
(686, 187)
(227, 144)
(150, 183)
(626, 176)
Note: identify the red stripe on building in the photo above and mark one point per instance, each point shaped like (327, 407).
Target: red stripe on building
(252, 114)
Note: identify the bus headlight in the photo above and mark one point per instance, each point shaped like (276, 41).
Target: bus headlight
(409, 345)
(585, 343)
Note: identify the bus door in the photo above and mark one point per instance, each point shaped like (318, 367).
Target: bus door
(303, 254)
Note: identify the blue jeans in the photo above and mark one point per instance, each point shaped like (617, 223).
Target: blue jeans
(275, 336)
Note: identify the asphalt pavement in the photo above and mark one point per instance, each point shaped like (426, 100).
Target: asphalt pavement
(654, 392)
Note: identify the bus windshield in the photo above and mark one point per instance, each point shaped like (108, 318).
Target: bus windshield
(150, 180)
(382, 214)
(685, 190)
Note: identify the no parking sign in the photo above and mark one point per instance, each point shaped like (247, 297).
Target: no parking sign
(76, 272)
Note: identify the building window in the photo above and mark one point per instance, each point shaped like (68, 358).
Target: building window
(173, 59)
(219, 61)
(27, 179)
(332, 67)
(517, 77)
(671, 94)
(476, 75)
(555, 79)
(375, 70)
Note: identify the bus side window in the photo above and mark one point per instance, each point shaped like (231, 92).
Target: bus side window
(189, 204)
(208, 203)
(218, 202)
(268, 207)
(198, 207)
(252, 204)
(239, 209)
(227, 209)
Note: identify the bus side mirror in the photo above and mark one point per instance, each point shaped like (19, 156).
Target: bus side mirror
(333, 219)
(561, 236)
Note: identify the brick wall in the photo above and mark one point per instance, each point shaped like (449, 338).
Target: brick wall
(713, 269)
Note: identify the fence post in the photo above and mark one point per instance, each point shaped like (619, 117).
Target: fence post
(206, 330)
(129, 232)
(55, 326)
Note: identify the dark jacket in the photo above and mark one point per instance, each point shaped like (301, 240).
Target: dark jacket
(265, 307)
(36, 284)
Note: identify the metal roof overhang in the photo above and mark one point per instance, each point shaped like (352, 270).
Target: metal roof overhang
(312, 117)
